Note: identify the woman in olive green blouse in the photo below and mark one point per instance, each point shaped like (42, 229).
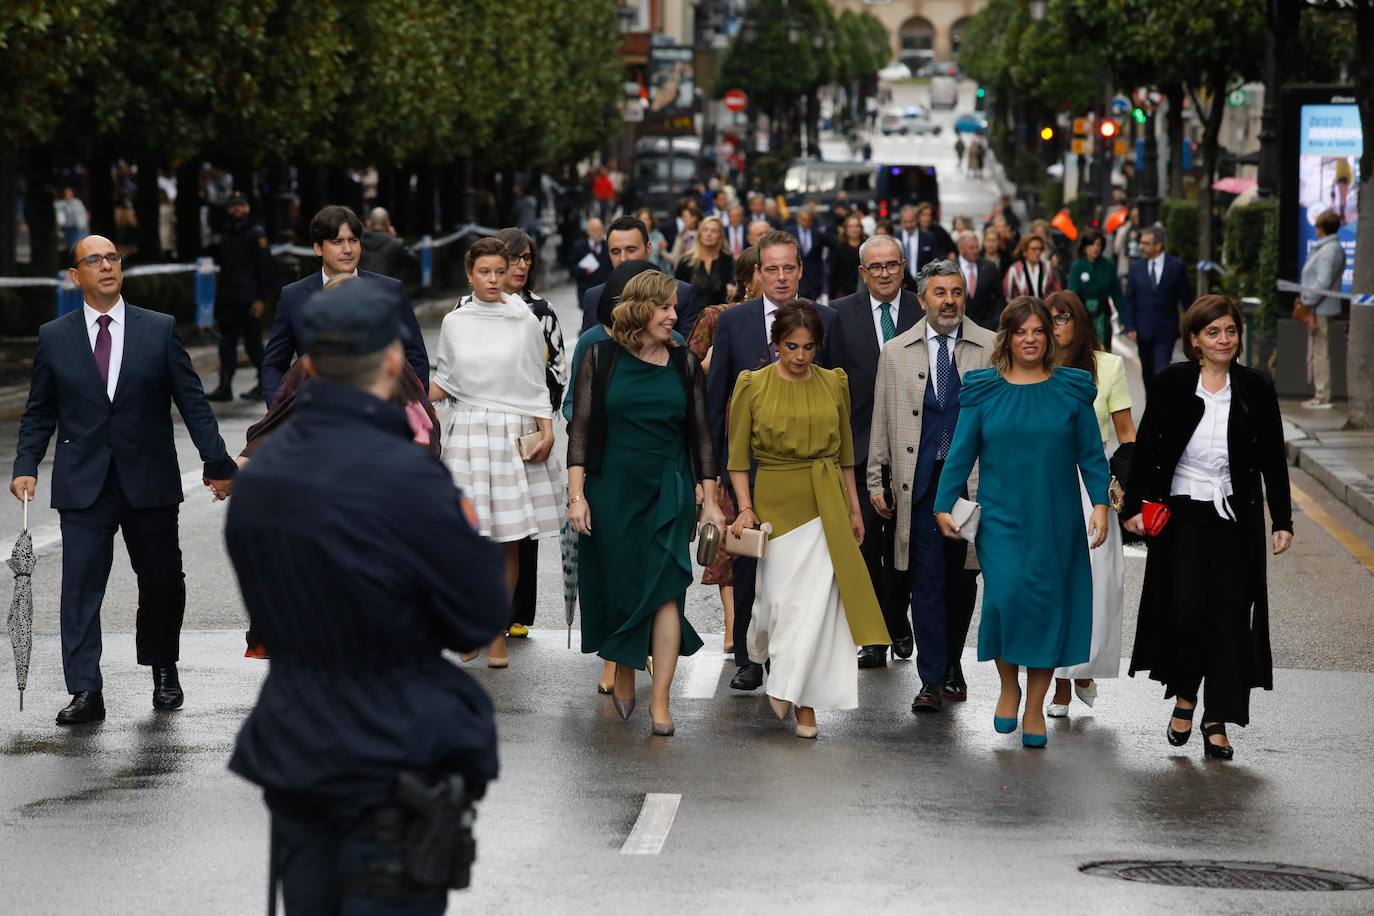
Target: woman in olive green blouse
(814, 602)
(1093, 279)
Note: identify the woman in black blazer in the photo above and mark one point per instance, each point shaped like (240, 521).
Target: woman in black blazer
(1210, 446)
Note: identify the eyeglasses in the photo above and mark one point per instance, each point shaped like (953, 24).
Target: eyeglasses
(1062, 318)
(888, 267)
(522, 258)
(93, 260)
(786, 270)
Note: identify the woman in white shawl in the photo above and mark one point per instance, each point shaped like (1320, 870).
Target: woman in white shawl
(490, 385)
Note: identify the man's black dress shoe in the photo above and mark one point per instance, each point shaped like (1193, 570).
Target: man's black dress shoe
(86, 706)
(904, 646)
(748, 677)
(955, 688)
(873, 657)
(928, 700)
(167, 688)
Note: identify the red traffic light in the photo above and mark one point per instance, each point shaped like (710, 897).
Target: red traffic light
(1107, 129)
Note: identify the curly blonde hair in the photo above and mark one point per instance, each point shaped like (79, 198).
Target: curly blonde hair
(642, 296)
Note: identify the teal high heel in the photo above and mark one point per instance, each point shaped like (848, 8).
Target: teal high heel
(1004, 725)
(1029, 740)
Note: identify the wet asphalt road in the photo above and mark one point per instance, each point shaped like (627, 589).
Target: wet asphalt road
(885, 813)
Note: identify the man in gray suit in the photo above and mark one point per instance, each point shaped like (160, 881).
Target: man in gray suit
(915, 410)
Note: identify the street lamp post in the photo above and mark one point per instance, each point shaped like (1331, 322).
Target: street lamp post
(1281, 19)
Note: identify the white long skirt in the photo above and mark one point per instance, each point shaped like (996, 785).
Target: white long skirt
(1109, 598)
(799, 625)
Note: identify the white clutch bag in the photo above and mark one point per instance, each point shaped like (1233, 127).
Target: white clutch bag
(966, 515)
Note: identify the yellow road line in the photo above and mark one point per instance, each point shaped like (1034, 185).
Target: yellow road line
(1343, 535)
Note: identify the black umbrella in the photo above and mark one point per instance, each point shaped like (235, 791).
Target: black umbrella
(21, 563)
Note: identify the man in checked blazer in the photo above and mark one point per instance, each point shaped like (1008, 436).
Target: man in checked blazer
(915, 410)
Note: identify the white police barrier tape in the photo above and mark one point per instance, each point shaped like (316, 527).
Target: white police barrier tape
(1211, 265)
(1288, 286)
(143, 271)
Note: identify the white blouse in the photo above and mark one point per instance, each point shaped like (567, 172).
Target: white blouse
(1204, 471)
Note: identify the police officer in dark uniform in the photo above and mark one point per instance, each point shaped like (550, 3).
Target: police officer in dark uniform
(346, 538)
(245, 278)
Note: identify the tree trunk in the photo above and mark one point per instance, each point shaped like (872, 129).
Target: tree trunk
(1173, 122)
(1360, 334)
(310, 180)
(8, 236)
(101, 205)
(813, 122)
(276, 209)
(424, 199)
(39, 213)
(148, 211)
(1211, 136)
(189, 240)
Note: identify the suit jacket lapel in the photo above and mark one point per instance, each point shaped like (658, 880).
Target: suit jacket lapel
(908, 311)
(133, 336)
(81, 347)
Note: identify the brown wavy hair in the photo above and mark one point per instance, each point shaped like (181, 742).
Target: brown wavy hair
(1203, 312)
(642, 296)
(794, 315)
(745, 265)
(1079, 354)
(1015, 315)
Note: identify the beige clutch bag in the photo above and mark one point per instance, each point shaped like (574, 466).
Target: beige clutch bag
(752, 543)
(526, 444)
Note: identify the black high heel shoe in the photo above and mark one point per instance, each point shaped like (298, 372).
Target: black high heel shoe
(1178, 739)
(1216, 751)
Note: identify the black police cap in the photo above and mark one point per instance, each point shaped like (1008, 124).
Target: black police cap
(354, 319)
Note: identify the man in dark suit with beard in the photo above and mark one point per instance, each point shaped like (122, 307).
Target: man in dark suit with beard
(105, 378)
(337, 236)
(865, 321)
(742, 342)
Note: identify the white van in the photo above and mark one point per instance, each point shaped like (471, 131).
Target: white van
(944, 92)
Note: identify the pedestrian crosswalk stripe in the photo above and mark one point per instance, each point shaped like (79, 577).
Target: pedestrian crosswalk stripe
(652, 826)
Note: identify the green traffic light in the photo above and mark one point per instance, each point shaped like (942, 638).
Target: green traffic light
(982, 93)
(1139, 115)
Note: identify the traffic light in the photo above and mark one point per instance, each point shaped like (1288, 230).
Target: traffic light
(1047, 133)
(982, 92)
(1138, 114)
(980, 98)
(1107, 129)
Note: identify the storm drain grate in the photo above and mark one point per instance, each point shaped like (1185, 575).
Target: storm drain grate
(1245, 876)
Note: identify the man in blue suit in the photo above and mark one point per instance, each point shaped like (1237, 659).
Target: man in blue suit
(742, 342)
(105, 378)
(1157, 291)
(628, 240)
(337, 236)
(865, 321)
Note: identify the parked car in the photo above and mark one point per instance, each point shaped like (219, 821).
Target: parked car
(948, 68)
(814, 181)
(910, 120)
(971, 122)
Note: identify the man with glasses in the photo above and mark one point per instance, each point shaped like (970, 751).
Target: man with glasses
(915, 410)
(1157, 293)
(742, 342)
(104, 379)
(864, 323)
(336, 233)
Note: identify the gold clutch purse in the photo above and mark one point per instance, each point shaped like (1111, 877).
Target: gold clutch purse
(708, 547)
(753, 542)
(527, 443)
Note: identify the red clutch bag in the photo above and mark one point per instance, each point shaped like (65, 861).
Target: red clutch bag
(1154, 516)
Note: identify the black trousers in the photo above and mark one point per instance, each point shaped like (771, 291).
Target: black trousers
(235, 320)
(1209, 616)
(314, 862)
(890, 585)
(1155, 354)
(151, 536)
(527, 583)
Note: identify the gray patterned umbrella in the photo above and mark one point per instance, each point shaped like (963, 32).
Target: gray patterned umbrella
(568, 543)
(21, 563)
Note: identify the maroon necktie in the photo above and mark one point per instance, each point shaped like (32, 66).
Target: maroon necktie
(102, 348)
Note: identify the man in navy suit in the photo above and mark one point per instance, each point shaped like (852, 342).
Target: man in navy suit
(918, 245)
(863, 323)
(104, 378)
(628, 240)
(1157, 291)
(337, 235)
(811, 241)
(592, 245)
(742, 342)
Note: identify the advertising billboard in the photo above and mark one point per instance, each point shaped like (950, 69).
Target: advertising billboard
(672, 92)
(1330, 143)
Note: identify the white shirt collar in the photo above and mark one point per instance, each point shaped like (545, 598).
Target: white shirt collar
(1158, 261)
(325, 277)
(932, 333)
(769, 306)
(116, 314)
(1222, 393)
(965, 266)
(876, 304)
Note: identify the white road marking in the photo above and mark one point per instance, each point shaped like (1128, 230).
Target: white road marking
(47, 539)
(652, 826)
(703, 672)
(1135, 551)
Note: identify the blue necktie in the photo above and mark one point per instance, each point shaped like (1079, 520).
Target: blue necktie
(944, 374)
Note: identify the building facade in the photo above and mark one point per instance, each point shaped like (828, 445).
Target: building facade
(921, 30)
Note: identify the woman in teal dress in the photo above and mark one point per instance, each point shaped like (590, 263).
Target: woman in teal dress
(638, 445)
(1093, 279)
(1032, 430)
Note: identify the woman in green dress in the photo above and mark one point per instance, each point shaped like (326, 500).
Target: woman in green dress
(1093, 279)
(638, 444)
(813, 603)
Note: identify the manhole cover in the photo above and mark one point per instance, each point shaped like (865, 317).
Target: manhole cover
(1246, 876)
